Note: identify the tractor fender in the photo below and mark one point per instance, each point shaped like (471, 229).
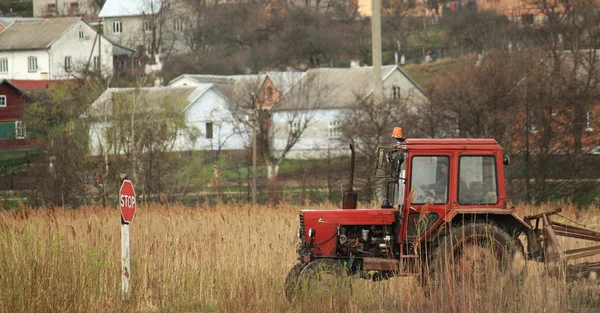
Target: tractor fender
(506, 219)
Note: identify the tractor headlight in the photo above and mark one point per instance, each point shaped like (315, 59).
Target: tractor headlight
(311, 233)
(299, 232)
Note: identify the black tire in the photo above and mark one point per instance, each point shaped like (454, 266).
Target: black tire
(449, 263)
(323, 278)
(291, 281)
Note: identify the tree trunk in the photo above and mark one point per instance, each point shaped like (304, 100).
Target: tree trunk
(272, 171)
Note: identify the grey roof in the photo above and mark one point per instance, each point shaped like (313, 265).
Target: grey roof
(7, 20)
(234, 86)
(116, 8)
(214, 79)
(34, 34)
(285, 80)
(229, 85)
(343, 86)
(120, 50)
(152, 97)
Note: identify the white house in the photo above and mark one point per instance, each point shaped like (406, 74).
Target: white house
(42, 49)
(322, 95)
(154, 25)
(204, 106)
(46, 8)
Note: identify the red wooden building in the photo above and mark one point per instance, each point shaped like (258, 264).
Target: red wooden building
(13, 131)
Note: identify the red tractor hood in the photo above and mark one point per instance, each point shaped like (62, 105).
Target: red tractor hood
(325, 223)
(349, 217)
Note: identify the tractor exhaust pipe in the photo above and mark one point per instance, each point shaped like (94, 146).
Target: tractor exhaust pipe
(350, 197)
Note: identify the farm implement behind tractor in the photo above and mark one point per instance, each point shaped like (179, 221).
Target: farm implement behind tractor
(543, 245)
(446, 203)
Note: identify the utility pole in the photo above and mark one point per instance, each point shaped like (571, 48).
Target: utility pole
(254, 124)
(376, 47)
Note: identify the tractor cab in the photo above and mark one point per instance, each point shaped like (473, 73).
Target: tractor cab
(431, 179)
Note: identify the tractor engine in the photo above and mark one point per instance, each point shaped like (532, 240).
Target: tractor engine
(365, 241)
(349, 233)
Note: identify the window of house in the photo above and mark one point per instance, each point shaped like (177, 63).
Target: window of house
(148, 26)
(149, 49)
(68, 66)
(20, 130)
(527, 19)
(73, 8)
(178, 25)
(3, 65)
(209, 130)
(51, 8)
(117, 27)
(429, 179)
(81, 34)
(334, 129)
(2, 101)
(270, 93)
(96, 63)
(589, 121)
(32, 65)
(396, 93)
(477, 180)
(294, 127)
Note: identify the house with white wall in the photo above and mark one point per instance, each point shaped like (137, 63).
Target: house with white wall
(321, 97)
(156, 26)
(49, 49)
(55, 8)
(204, 107)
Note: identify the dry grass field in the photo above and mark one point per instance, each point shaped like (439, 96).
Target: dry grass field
(222, 258)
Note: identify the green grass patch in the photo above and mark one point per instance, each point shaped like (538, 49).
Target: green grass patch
(425, 72)
(15, 161)
(432, 38)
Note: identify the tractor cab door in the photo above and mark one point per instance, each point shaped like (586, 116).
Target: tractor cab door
(428, 191)
(478, 175)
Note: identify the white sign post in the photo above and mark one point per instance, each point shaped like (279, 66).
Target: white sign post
(127, 204)
(125, 264)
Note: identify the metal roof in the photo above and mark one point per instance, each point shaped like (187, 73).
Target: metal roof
(181, 97)
(344, 86)
(34, 34)
(285, 80)
(229, 85)
(117, 8)
(25, 84)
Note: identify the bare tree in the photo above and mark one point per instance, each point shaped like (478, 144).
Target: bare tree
(145, 127)
(369, 126)
(281, 127)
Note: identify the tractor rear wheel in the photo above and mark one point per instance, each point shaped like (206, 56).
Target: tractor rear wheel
(472, 253)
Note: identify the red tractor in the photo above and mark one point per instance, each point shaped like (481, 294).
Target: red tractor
(445, 196)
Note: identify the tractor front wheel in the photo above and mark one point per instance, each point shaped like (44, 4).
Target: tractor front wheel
(291, 281)
(323, 279)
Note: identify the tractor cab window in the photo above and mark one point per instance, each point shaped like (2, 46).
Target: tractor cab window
(477, 180)
(429, 179)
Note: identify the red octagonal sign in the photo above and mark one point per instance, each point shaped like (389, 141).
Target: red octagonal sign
(127, 200)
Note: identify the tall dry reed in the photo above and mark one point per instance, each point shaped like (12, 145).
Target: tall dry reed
(222, 259)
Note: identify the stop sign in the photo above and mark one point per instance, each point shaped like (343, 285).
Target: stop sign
(127, 200)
